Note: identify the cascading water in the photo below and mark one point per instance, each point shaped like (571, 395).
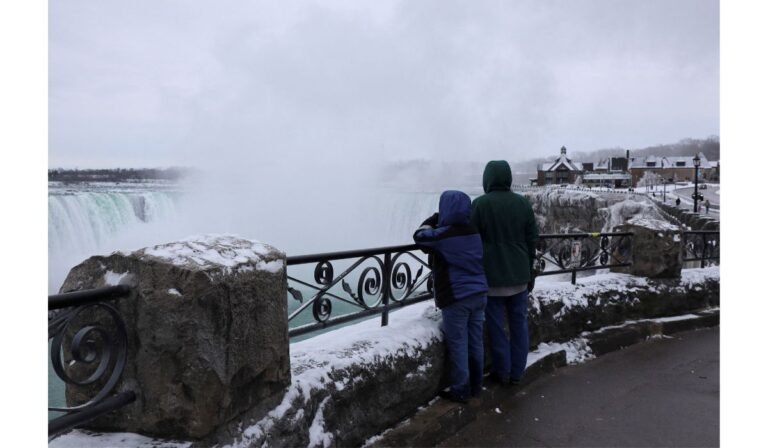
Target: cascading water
(86, 220)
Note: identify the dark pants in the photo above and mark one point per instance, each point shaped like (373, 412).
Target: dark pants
(509, 354)
(463, 329)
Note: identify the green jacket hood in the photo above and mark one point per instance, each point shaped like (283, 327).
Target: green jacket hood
(497, 176)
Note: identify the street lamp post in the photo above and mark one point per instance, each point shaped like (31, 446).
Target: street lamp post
(663, 181)
(696, 163)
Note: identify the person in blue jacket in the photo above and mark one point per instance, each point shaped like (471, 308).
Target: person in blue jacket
(460, 289)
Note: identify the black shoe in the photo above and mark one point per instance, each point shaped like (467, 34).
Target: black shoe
(450, 396)
(498, 379)
(514, 382)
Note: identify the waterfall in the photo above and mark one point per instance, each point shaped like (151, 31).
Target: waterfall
(86, 221)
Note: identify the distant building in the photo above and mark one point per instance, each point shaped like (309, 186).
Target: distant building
(562, 171)
(714, 174)
(612, 179)
(608, 172)
(672, 168)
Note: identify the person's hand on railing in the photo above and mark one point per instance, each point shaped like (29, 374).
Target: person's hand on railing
(431, 221)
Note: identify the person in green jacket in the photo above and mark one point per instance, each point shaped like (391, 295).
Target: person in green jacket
(509, 231)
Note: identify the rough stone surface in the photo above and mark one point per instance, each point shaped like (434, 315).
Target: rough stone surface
(363, 390)
(569, 211)
(378, 394)
(562, 313)
(656, 248)
(207, 337)
(692, 220)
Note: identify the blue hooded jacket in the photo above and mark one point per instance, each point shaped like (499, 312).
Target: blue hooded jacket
(457, 249)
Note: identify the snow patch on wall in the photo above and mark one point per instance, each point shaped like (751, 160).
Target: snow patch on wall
(317, 434)
(217, 252)
(113, 278)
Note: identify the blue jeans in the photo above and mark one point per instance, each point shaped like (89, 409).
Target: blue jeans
(463, 329)
(508, 354)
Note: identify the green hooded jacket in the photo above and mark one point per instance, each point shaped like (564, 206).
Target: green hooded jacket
(507, 227)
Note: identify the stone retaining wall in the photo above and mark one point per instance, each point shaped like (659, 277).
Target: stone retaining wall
(211, 364)
(375, 377)
(695, 221)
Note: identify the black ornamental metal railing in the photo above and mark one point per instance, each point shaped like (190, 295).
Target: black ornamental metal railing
(89, 346)
(384, 278)
(571, 253)
(702, 246)
(387, 278)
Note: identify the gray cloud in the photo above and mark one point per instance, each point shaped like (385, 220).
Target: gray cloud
(343, 85)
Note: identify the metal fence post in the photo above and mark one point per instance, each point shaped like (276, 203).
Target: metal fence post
(387, 289)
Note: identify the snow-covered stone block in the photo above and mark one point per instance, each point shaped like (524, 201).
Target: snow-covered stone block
(656, 248)
(207, 332)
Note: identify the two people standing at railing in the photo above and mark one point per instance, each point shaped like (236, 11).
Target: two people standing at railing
(488, 243)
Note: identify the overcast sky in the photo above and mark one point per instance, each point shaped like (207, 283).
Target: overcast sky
(148, 83)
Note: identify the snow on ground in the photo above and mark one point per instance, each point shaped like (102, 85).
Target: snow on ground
(576, 295)
(86, 439)
(576, 351)
(697, 276)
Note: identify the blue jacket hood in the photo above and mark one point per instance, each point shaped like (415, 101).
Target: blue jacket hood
(455, 208)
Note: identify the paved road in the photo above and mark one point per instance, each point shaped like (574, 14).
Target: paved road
(686, 194)
(659, 393)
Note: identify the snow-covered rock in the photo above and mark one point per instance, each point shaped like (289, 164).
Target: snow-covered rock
(206, 330)
(575, 211)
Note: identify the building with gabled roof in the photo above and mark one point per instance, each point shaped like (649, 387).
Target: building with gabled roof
(562, 170)
(671, 168)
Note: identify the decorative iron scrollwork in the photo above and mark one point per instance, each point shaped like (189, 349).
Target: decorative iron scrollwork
(384, 278)
(402, 282)
(324, 273)
(96, 354)
(703, 246)
(322, 308)
(370, 286)
(569, 253)
(297, 295)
